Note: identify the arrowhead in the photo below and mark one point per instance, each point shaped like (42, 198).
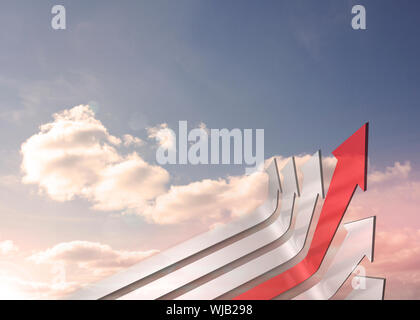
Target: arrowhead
(312, 173)
(352, 153)
(274, 179)
(289, 183)
(362, 233)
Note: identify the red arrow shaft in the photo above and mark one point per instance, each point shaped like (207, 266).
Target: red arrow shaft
(341, 190)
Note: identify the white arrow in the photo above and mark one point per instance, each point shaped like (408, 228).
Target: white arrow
(172, 256)
(374, 289)
(357, 244)
(312, 188)
(230, 253)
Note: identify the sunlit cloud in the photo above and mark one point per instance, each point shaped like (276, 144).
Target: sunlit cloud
(66, 267)
(75, 156)
(397, 171)
(210, 200)
(164, 136)
(90, 255)
(130, 140)
(393, 197)
(7, 247)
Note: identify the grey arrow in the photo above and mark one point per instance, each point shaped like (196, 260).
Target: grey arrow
(188, 248)
(312, 188)
(230, 253)
(357, 244)
(374, 289)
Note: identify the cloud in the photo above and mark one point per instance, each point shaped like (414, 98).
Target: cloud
(398, 250)
(397, 254)
(14, 287)
(164, 136)
(216, 201)
(398, 171)
(74, 155)
(393, 197)
(129, 185)
(394, 201)
(77, 263)
(210, 200)
(90, 255)
(130, 140)
(62, 269)
(7, 247)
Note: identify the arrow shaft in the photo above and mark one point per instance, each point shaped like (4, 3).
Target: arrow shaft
(257, 266)
(305, 205)
(230, 253)
(374, 289)
(187, 249)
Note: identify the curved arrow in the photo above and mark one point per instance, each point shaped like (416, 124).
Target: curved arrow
(374, 290)
(350, 171)
(230, 253)
(357, 244)
(312, 187)
(176, 254)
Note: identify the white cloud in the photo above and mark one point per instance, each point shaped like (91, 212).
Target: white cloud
(393, 197)
(130, 140)
(65, 267)
(7, 247)
(90, 255)
(14, 287)
(164, 136)
(82, 262)
(216, 201)
(76, 156)
(129, 185)
(9, 180)
(398, 171)
(209, 200)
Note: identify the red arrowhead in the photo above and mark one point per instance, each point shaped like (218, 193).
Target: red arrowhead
(352, 154)
(350, 171)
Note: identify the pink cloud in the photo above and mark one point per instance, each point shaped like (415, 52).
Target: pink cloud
(64, 268)
(75, 156)
(90, 255)
(393, 197)
(7, 247)
(398, 171)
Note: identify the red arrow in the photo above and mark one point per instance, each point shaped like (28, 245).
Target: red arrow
(351, 170)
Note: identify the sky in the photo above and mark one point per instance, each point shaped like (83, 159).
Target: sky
(77, 108)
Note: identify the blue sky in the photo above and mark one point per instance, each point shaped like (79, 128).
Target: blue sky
(293, 68)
